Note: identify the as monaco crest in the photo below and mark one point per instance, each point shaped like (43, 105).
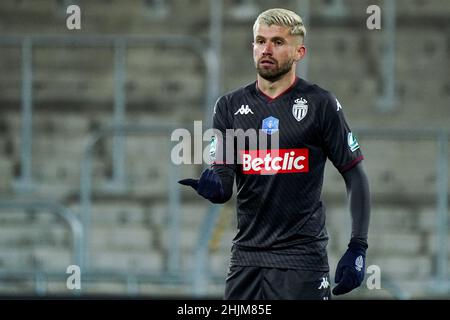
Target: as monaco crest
(300, 109)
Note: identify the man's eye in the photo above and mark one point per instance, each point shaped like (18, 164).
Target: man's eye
(260, 41)
(279, 43)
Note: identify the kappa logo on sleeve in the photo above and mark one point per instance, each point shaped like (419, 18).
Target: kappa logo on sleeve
(352, 142)
(338, 105)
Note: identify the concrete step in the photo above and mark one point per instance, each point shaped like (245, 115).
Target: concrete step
(427, 220)
(400, 267)
(219, 263)
(127, 261)
(71, 60)
(7, 174)
(125, 238)
(397, 267)
(20, 218)
(28, 235)
(188, 240)
(116, 214)
(140, 61)
(192, 214)
(167, 88)
(431, 243)
(11, 61)
(45, 258)
(407, 179)
(72, 125)
(419, 9)
(404, 244)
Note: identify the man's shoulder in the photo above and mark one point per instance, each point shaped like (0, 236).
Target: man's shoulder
(239, 92)
(230, 100)
(323, 99)
(314, 90)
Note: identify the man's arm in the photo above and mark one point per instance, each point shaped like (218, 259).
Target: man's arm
(351, 267)
(216, 182)
(226, 174)
(359, 198)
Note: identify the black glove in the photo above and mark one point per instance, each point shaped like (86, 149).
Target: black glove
(209, 186)
(350, 269)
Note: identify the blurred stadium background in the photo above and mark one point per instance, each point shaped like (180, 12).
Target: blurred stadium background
(85, 123)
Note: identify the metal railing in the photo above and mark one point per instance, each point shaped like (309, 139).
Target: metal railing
(200, 276)
(200, 269)
(441, 282)
(38, 282)
(208, 54)
(51, 207)
(173, 192)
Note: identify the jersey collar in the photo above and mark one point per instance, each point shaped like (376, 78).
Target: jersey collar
(278, 96)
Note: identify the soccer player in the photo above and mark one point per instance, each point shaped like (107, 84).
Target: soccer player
(279, 251)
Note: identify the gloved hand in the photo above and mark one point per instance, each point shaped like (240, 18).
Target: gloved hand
(209, 186)
(350, 269)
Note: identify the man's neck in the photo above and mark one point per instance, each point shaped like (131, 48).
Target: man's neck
(274, 89)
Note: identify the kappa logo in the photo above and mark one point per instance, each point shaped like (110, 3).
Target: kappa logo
(324, 284)
(244, 109)
(338, 105)
(300, 109)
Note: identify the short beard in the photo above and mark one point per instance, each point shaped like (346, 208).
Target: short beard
(275, 74)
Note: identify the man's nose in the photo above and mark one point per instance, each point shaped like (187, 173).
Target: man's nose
(267, 49)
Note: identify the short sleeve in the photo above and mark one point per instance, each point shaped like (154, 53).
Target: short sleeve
(339, 142)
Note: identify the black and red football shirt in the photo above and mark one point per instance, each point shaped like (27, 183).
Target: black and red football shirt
(280, 215)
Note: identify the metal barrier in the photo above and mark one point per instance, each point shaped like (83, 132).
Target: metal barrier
(54, 208)
(208, 54)
(173, 192)
(200, 271)
(441, 282)
(131, 281)
(200, 268)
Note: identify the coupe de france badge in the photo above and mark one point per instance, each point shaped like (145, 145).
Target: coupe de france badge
(352, 142)
(270, 125)
(300, 109)
(212, 148)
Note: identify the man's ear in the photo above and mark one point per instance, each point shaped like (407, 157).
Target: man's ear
(300, 52)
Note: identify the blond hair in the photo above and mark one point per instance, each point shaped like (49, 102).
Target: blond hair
(283, 18)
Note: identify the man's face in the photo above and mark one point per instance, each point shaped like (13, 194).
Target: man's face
(274, 51)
